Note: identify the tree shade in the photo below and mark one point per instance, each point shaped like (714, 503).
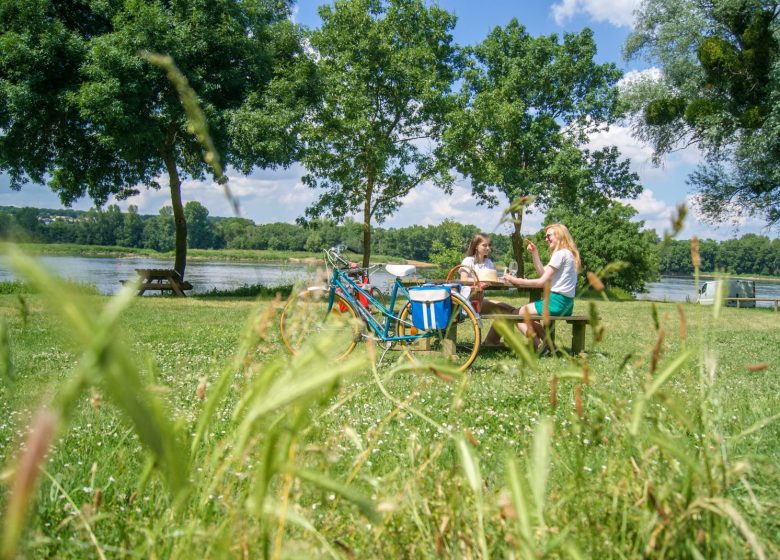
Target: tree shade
(82, 111)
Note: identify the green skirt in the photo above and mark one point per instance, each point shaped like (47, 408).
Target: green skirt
(560, 305)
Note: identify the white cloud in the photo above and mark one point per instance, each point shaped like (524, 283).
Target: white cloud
(617, 12)
(653, 73)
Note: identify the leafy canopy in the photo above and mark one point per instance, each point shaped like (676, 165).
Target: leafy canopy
(720, 90)
(84, 112)
(386, 68)
(527, 107)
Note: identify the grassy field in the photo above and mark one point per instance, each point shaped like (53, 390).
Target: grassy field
(180, 428)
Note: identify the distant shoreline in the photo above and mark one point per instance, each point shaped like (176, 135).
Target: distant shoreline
(224, 255)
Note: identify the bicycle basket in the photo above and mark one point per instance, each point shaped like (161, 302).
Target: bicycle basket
(431, 307)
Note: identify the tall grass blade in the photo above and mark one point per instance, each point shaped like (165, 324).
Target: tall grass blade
(517, 343)
(658, 381)
(470, 465)
(662, 377)
(6, 363)
(672, 448)
(520, 502)
(283, 393)
(25, 481)
(107, 362)
(299, 520)
(540, 467)
(726, 509)
(364, 504)
(760, 425)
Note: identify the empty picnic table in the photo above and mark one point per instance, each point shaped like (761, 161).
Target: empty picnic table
(162, 279)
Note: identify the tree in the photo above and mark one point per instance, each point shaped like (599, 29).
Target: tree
(200, 232)
(605, 235)
(131, 232)
(160, 231)
(450, 244)
(386, 67)
(720, 90)
(84, 112)
(527, 106)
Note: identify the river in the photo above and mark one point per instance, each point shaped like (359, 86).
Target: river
(106, 272)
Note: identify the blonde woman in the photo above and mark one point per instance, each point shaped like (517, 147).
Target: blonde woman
(561, 272)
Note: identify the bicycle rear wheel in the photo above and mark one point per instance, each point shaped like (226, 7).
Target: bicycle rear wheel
(306, 317)
(457, 344)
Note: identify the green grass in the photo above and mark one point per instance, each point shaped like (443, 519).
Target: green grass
(397, 462)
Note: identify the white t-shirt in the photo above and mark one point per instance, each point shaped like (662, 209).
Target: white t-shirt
(487, 264)
(564, 280)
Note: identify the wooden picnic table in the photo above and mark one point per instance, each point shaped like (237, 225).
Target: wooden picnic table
(162, 279)
(578, 322)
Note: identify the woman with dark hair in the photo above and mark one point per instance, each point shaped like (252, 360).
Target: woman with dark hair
(478, 259)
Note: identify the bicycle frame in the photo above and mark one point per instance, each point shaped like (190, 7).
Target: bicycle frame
(346, 286)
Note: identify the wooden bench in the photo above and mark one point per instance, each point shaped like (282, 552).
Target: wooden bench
(577, 322)
(775, 301)
(162, 279)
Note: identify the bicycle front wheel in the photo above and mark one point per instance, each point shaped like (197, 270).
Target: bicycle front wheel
(306, 317)
(457, 344)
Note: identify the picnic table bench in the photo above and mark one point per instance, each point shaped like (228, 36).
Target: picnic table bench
(162, 279)
(577, 322)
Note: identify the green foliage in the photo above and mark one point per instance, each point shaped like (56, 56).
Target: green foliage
(450, 246)
(664, 111)
(526, 107)
(89, 116)
(719, 69)
(255, 291)
(386, 68)
(15, 287)
(750, 254)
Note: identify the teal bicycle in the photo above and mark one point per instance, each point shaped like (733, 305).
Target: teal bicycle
(348, 310)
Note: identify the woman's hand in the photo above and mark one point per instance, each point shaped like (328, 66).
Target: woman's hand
(508, 278)
(531, 247)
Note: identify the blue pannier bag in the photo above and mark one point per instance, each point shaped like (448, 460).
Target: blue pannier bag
(431, 307)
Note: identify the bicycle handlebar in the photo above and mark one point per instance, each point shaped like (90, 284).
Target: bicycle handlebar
(333, 256)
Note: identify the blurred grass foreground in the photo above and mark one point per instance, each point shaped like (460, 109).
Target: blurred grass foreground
(180, 428)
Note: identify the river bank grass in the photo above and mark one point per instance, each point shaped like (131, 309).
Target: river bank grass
(181, 428)
(240, 255)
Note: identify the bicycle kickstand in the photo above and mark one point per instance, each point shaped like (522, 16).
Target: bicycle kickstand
(388, 345)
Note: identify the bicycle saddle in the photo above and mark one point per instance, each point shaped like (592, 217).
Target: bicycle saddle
(401, 270)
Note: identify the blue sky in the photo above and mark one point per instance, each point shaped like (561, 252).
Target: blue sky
(268, 196)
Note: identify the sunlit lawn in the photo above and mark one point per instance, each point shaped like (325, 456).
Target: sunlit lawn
(609, 491)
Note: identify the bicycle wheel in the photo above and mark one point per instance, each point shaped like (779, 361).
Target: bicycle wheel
(305, 317)
(457, 344)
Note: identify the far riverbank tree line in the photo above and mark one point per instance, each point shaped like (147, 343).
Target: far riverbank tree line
(441, 244)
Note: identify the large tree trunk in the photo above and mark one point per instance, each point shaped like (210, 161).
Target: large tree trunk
(367, 219)
(517, 242)
(179, 220)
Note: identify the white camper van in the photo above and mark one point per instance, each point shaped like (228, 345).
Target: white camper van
(734, 289)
